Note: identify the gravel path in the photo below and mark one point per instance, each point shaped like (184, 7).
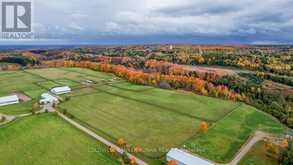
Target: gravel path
(8, 119)
(258, 136)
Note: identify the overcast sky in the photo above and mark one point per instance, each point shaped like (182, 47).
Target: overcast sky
(154, 21)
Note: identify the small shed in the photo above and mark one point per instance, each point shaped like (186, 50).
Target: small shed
(184, 158)
(61, 90)
(6, 100)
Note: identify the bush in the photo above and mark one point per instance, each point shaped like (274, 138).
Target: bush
(290, 122)
(2, 119)
(35, 108)
(67, 98)
(64, 111)
(125, 158)
(286, 155)
(164, 85)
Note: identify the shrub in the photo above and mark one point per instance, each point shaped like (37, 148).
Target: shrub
(164, 85)
(2, 119)
(125, 158)
(286, 155)
(67, 98)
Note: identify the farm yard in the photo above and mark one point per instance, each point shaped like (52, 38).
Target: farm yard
(46, 139)
(152, 118)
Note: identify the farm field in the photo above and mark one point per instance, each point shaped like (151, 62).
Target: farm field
(152, 118)
(46, 139)
(33, 83)
(19, 81)
(17, 108)
(256, 156)
(143, 115)
(227, 136)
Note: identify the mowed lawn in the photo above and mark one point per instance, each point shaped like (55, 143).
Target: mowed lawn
(19, 81)
(152, 118)
(73, 74)
(45, 140)
(15, 109)
(145, 125)
(257, 156)
(224, 140)
(34, 82)
(185, 103)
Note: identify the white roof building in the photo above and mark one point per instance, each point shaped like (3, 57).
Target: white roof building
(6, 100)
(61, 90)
(184, 158)
(47, 98)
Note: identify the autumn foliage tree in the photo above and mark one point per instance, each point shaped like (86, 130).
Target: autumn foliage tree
(137, 149)
(203, 127)
(161, 71)
(172, 162)
(132, 160)
(121, 142)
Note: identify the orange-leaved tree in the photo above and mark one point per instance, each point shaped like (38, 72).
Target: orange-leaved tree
(121, 142)
(172, 162)
(132, 160)
(203, 127)
(137, 149)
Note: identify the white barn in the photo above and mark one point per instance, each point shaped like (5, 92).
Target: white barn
(61, 90)
(46, 98)
(184, 158)
(6, 100)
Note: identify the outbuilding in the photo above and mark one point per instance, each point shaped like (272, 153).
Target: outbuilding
(46, 98)
(184, 158)
(6, 100)
(61, 90)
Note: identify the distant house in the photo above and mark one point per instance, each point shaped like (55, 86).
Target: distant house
(184, 158)
(6, 100)
(61, 90)
(46, 98)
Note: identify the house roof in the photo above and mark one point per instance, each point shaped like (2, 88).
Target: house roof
(186, 158)
(46, 96)
(9, 98)
(61, 89)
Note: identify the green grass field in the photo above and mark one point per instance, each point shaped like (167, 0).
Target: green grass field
(227, 136)
(257, 156)
(152, 118)
(139, 124)
(19, 82)
(185, 103)
(17, 108)
(46, 139)
(35, 82)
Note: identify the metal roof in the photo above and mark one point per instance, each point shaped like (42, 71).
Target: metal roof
(185, 158)
(48, 96)
(11, 98)
(60, 89)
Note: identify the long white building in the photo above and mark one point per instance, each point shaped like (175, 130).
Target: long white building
(6, 100)
(61, 90)
(184, 158)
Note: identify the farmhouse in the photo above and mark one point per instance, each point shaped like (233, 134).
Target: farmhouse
(6, 100)
(61, 90)
(184, 158)
(46, 98)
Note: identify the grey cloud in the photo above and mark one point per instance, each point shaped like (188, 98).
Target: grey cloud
(225, 18)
